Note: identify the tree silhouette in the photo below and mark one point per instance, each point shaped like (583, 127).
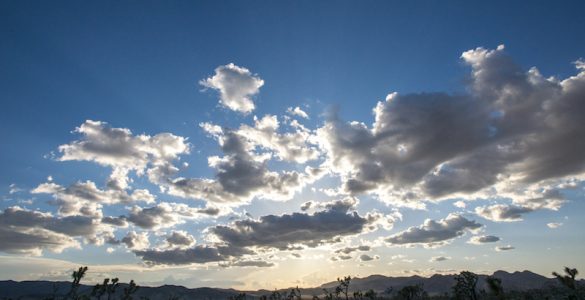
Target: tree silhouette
(294, 293)
(411, 292)
(568, 280)
(465, 286)
(495, 287)
(77, 276)
(371, 294)
(129, 290)
(106, 288)
(343, 286)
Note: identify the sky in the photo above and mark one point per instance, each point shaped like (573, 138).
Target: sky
(268, 144)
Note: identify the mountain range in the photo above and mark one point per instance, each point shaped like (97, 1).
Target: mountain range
(434, 285)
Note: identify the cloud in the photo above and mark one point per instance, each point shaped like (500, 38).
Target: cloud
(297, 145)
(241, 175)
(283, 232)
(119, 149)
(502, 212)
(164, 215)
(365, 257)
(180, 238)
(236, 86)
(14, 189)
(177, 256)
(478, 240)
(16, 217)
(514, 135)
(87, 199)
(31, 232)
(33, 241)
(136, 241)
(341, 257)
(514, 130)
(554, 225)
(287, 230)
(504, 248)
(306, 205)
(297, 111)
(348, 250)
(439, 258)
(344, 253)
(257, 263)
(434, 233)
(459, 204)
(116, 221)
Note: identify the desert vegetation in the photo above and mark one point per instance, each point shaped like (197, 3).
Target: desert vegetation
(465, 287)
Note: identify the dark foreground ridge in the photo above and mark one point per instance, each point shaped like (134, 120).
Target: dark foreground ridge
(465, 285)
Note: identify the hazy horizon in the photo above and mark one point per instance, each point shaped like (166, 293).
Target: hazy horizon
(269, 144)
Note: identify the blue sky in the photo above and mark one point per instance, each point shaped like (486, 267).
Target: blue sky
(140, 66)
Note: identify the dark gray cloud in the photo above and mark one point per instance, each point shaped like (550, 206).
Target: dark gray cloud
(180, 238)
(341, 257)
(197, 254)
(439, 258)
(365, 257)
(513, 128)
(33, 241)
(483, 239)
(286, 230)
(505, 248)
(306, 205)
(116, 221)
(434, 233)
(16, 217)
(153, 217)
(502, 212)
(348, 250)
(26, 231)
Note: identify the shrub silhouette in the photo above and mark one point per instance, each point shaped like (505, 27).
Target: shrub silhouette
(495, 287)
(465, 286)
(412, 292)
(107, 288)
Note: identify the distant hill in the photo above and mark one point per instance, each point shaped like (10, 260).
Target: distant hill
(440, 284)
(436, 284)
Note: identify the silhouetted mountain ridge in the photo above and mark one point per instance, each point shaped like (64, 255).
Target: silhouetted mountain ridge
(435, 284)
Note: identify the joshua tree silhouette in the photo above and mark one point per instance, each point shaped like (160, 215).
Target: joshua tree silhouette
(106, 288)
(77, 276)
(568, 280)
(343, 286)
